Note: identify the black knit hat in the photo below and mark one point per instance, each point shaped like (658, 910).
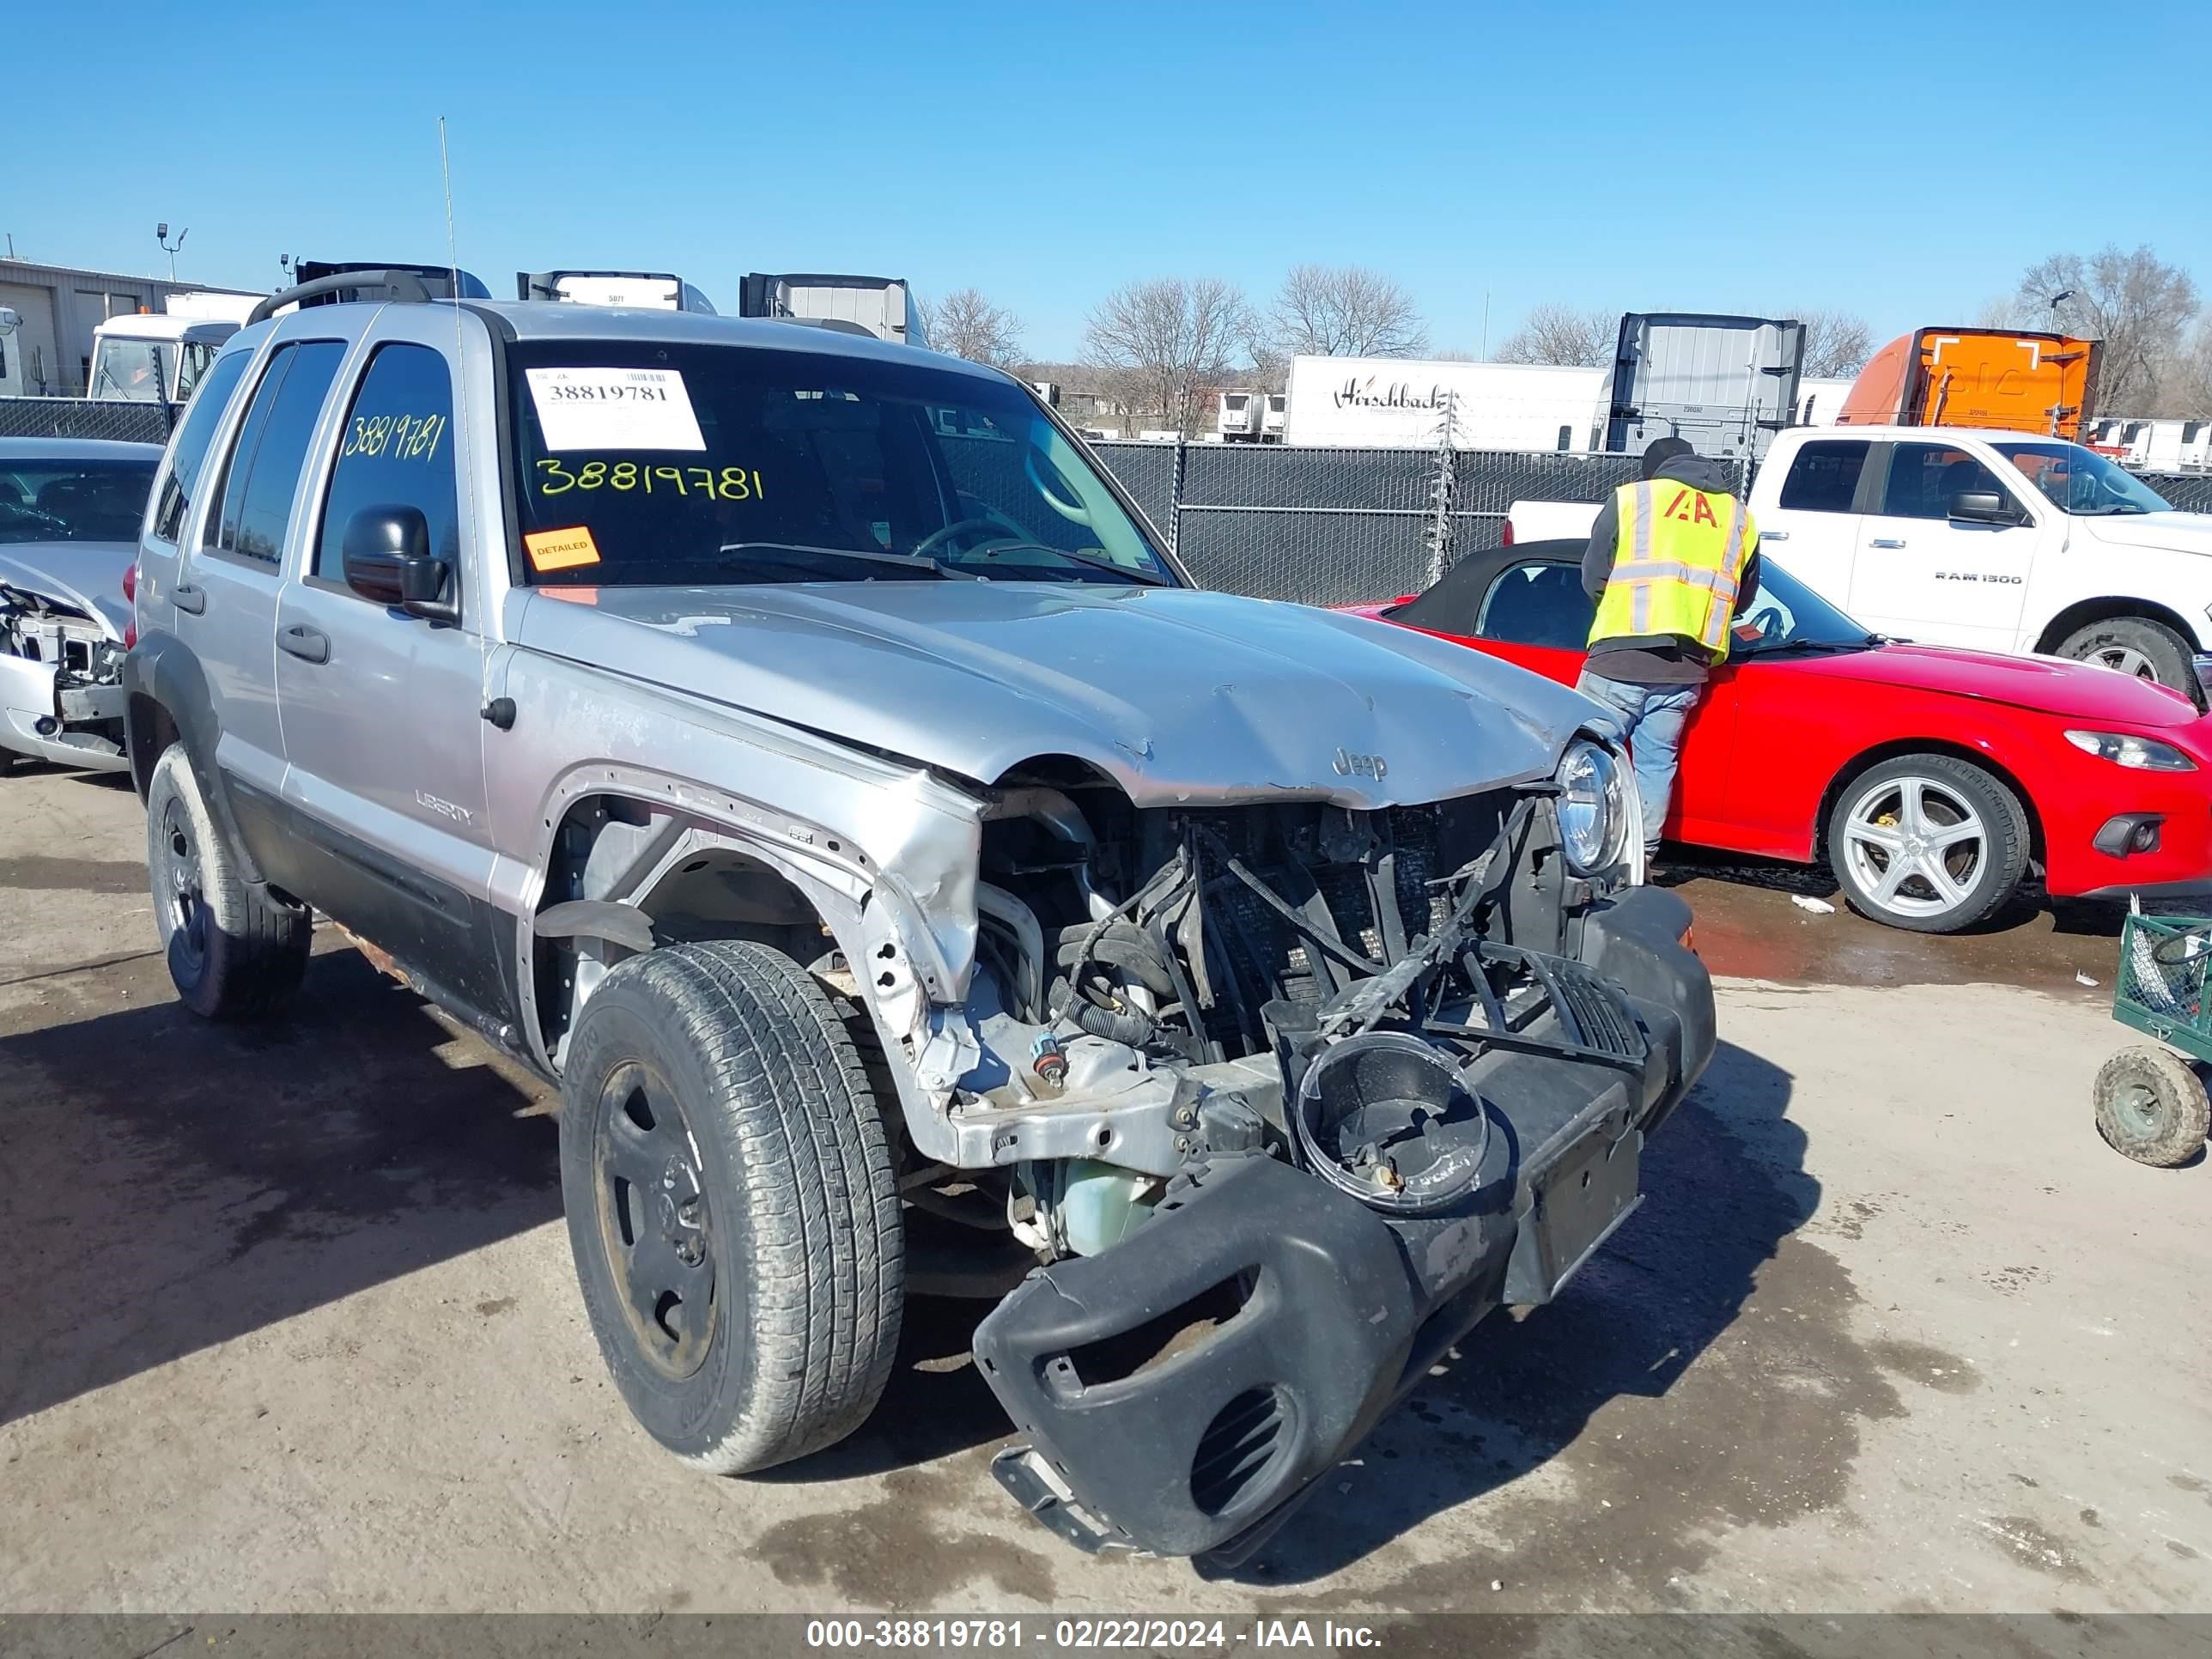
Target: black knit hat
(1663, 450)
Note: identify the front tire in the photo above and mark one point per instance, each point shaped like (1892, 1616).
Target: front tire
(731, 1205)
(1928, 842)
(2138, 647)
(2151, 1106)
(233, 953)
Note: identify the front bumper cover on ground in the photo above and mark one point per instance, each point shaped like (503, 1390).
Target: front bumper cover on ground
(1180, 1392)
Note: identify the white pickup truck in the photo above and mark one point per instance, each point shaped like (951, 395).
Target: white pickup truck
(2001, 541)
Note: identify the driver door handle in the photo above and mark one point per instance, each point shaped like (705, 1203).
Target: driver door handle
(307, 644)
(190, 598)
(1885, 541)
(1774, 535)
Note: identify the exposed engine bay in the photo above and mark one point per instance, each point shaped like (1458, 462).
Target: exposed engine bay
(1155, 987)
(1285, 1097)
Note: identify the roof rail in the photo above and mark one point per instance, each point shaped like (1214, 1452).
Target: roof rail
(401, 286)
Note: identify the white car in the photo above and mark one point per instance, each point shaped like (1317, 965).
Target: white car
(1996, 541)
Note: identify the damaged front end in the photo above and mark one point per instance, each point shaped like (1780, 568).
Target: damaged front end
(1287, 1095)
(61, 672)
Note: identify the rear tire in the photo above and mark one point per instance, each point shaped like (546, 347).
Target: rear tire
(233, 953)
(731, 1206)
(1927, 842)
(2139, 647)
(2151, 1106)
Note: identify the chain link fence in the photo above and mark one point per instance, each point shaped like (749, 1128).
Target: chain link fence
(84, 418)
(2191, 492)
(1336, 526)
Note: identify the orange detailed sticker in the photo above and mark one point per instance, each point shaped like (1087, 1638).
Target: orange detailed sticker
(560, 550)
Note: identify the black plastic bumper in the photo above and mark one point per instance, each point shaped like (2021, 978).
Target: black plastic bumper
(1150, 1428)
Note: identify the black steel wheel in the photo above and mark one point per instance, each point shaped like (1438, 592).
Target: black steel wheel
(234, 952)
(654, 1220)
(731, 1205)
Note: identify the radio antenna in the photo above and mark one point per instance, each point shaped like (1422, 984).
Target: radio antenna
(446, 169)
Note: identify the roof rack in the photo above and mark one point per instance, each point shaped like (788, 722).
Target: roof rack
(403, 285)
(327, 282)
(443, 282)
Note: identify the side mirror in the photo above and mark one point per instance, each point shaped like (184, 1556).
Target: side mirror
(1982, 507)
(388, 559)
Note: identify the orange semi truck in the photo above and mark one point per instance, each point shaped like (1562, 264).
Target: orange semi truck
(1977, 377)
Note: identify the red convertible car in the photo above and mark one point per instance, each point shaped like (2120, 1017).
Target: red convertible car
(1932, 780)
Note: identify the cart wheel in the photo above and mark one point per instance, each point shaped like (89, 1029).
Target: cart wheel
(2152, 1106)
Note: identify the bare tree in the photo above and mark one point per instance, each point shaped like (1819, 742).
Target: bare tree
(1560, 334)
(1345, 311)
(1167, 337)
(2134, 302)
(967, 325)
(2184, 380)
(2007, 312)
(1837, 344)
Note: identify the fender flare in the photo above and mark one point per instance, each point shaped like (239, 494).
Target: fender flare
(162, 673)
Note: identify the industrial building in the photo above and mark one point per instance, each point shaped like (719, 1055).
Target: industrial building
(49, 352)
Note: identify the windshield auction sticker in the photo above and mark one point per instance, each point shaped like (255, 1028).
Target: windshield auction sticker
(614, 409)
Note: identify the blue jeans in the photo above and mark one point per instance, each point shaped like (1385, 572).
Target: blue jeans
(1653, 716)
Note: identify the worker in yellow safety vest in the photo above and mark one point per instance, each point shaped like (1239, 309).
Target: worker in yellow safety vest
(1672, 560)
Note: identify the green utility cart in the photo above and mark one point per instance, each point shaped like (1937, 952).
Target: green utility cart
(2151, 1102)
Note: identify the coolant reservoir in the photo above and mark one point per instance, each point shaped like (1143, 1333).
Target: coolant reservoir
(1101, 1205)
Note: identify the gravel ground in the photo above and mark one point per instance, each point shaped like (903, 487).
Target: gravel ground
(286, 1323)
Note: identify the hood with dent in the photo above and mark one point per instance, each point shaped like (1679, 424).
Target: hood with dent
(1178, 695)
(2180, 532)
(2047, 685)
(86, 576)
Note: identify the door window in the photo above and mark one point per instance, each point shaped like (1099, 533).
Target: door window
(190, 457)
(1539, 604)
(397, 450)
(1824, 476)
(264, 472)
(1924, 478)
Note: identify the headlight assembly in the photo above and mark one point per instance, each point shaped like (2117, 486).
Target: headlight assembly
(2138, 754)
(1593, 813)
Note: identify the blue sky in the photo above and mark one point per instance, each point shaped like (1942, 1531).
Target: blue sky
(1903, 160)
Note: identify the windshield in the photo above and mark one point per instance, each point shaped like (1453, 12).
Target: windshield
(73, 501)
(648, 464)
(1786, 615)
(2081, 481)
(136, 370)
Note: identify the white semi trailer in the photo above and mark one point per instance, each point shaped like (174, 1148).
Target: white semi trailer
(882, 305)
(1391, 402)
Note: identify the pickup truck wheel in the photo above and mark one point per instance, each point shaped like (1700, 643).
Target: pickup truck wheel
(1928, 842)
(233, 953)
(2151, 1105)
(731, 1205)
(2139, 647)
